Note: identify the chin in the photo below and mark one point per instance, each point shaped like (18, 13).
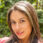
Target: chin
(21, 37)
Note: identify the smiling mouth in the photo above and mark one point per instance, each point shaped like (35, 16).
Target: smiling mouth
(20, 33)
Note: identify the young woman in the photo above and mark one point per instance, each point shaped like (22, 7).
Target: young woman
(23, 23)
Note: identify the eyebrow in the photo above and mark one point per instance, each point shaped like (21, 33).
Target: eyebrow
(18, 19)
(22, 18)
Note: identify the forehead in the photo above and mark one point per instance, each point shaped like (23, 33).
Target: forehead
(17, 14)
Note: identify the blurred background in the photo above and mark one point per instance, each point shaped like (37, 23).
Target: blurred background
(6, 4)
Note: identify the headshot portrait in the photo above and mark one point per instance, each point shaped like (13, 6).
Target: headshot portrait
(23, 23)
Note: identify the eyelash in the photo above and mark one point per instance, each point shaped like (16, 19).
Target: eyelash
(22, 20)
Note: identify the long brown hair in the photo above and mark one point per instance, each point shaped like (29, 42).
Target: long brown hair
(27, 8)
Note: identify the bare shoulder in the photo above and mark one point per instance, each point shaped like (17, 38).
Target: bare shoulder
(40, 41)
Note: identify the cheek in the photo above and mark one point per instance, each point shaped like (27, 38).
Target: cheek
(27, 28)
(28, 31)
(13, 28)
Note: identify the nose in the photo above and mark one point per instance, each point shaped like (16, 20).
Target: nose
(17, 26)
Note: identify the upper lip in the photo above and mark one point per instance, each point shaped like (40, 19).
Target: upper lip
(19, 32)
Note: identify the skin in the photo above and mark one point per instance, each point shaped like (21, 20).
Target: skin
(21, 25)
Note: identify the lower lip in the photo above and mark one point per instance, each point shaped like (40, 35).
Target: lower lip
(20, 33)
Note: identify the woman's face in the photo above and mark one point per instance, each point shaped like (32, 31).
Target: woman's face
(20, 24)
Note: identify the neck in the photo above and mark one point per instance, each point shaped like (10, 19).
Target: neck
(24, 41)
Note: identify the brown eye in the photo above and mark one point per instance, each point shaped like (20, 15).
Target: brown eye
(22, 20)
